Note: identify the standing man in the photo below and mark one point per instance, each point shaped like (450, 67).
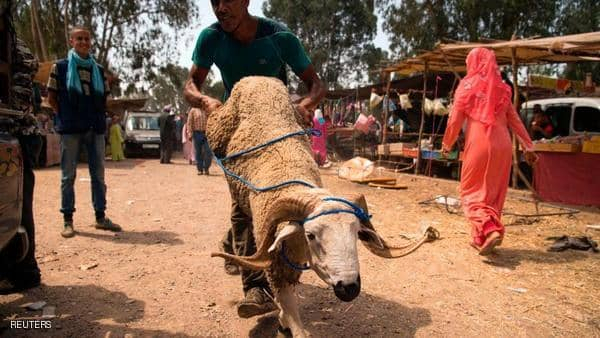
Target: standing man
(168, 138)
(196, 130)
(243, 45)
(77, 91)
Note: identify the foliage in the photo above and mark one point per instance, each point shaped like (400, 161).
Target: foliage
(337, 35)
(414, 25)
(167, 88)
(131, 35)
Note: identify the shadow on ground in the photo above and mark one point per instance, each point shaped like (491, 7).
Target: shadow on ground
(103, 311)
(324, 315)
(133, 237)
(512, 258)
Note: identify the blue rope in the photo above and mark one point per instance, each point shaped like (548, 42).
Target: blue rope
(293, 265)
(229, 173)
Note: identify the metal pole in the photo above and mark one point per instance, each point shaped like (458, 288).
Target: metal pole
(422, 118)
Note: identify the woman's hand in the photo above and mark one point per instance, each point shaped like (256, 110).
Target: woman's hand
(531, 157)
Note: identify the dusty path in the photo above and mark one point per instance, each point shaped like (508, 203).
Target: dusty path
(157, 279)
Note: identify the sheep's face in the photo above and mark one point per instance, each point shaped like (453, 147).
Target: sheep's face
(334, 257)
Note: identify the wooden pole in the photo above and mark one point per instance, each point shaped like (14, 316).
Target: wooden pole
(386, 104)
(451, 66)
(515, 69)
(417, 165)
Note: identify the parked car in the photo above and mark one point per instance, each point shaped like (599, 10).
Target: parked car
(569, 115)
(142, 133)
(14, 242)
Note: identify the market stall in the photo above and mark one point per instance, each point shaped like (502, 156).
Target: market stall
(568, 172)
(516, 52)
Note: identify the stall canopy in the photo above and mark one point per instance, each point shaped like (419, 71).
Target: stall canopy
(444, 83)
(451, 56)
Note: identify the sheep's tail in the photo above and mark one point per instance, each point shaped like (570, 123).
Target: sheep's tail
(246, 262)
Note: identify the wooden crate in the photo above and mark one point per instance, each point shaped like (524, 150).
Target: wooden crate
(557, 147)
(410, 152)
(393, 149)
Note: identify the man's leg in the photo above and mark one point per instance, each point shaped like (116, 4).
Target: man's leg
(258, 296)
(69, 154)
(207, 153)
(96, 147)
(162, 150)
(227, 247)
(197, 137)
(169, 150)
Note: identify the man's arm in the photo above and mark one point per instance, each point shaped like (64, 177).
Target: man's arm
(316, 92)
(192, 93)
(53, 101)
(53, 89)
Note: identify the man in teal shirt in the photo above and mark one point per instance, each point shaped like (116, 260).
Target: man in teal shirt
(241, 45)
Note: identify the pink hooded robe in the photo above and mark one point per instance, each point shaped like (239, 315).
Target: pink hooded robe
(484, 102)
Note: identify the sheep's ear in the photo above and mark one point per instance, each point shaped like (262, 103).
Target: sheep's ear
(371, 238)
(288, 231)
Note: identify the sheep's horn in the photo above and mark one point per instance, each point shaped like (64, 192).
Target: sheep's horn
(246, 262)
(288, 208)
(378, 246)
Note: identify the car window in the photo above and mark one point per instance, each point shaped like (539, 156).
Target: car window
(561, 118)
(142, 123)
(587, 119)
(527, 115)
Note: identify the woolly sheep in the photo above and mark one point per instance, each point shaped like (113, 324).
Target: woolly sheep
(260, 110)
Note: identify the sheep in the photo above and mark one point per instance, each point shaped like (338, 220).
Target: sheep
(259, 110)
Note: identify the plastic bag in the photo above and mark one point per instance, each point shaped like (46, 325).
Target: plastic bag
(363, 123)
(428, 106)
(375, 100)
(405, 102)
(439, 108)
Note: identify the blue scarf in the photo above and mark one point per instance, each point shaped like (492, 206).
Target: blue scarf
(73, 80)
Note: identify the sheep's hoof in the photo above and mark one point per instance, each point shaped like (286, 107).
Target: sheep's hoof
(284, 331)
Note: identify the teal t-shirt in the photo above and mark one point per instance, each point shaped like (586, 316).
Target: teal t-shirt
(273, 48)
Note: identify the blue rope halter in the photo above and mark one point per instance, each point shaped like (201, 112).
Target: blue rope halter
(356, 210)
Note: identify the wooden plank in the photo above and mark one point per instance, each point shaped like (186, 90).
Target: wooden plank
(376, 180)
(388, 186)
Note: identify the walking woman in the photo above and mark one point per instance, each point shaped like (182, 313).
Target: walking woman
(116, 140)
(483, 101)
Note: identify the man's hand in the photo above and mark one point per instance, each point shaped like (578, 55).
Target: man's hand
(210, 104)
(306, 115)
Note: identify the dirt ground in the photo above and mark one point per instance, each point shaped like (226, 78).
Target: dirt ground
(157, 278)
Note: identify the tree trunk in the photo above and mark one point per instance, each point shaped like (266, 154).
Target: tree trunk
(35, 6)
(34, 36)
(67, 22)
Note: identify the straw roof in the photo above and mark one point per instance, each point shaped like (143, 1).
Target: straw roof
(451, 56)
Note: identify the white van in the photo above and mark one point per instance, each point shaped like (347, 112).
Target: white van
(569, 115)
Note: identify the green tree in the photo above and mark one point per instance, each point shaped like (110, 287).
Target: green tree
(336, 35)
(580, 16)
(414, 25)
(167, 88)
(134, 36)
